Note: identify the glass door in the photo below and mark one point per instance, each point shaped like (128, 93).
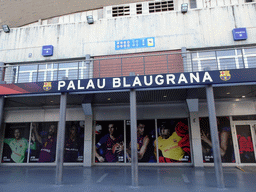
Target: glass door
(245, 134)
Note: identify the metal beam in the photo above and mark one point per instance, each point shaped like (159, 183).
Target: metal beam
(134, 150)
(214, 137)
(61, 138)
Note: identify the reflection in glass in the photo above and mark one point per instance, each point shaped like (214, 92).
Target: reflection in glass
(245, 144)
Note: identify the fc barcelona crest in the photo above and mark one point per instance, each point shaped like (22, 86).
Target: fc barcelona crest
(225, 75)
(47, 86)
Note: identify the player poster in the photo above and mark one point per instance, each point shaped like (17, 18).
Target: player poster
(225, 138)
(109, 141)
(173, 141)
(74, 142)
(146, 135)
(16, 145)
(44, 135)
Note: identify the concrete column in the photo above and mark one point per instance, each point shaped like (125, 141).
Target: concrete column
(214, 137)
(61, 138)
(196, 140)
(134, 150)
(88, 148)
(1, 124)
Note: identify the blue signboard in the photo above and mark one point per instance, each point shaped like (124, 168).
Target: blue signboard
(47, 50)
(133, 82)
(135, 43)
(239, 34)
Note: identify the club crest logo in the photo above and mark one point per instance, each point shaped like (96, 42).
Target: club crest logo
(47, 86)
(225, 75)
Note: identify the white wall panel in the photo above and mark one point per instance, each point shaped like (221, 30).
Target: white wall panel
(172, 30)
(41, 115)
(143, 112)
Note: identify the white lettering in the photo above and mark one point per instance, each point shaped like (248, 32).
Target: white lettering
(90, 84)
(61, 84)
(136, 81)
(103, 83)
(182, 79)
(193, 77)
(116, 82)
(159, 81)
(126, 85)
(71, 85)
(170, 77)
(79, 85)
(150, 80)
(207, 77)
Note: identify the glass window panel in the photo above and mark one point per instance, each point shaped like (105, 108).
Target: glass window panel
(209, 65)
(251, 62)
(109, 150)
(68, 65)
(61, 74)
(226, 53)
(72, 73)
(23, 77)
(41, 76)
(42, 66)
(44, 135)
(229, 63)
(34, 77)
(207, 54)
(83, 74)
(55, 75)
(225, 138)
(74, 142)
(250, 51)
(15, 146)
(55, 66)
(49, 76)
(27, 67)
(173, 141)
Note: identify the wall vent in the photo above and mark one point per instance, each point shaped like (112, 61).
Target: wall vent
(161, 6)
(139, 8)
(120, 11)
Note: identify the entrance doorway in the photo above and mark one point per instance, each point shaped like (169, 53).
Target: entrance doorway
(245, 134)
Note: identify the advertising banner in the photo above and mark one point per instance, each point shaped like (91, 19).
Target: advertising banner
(173, 143)
(225, 139)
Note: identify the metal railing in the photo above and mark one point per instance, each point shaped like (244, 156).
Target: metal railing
(147, 64)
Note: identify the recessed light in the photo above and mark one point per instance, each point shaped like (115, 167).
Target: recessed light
(228, 93)
(51, 101)
(243, 96)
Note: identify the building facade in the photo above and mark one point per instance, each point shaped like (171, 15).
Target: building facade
(168, 51)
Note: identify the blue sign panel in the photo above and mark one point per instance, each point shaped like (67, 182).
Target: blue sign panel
(239, 34)
(47, 50)
(135, 43)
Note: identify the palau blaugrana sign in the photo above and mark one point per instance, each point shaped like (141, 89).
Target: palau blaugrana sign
(133, 82)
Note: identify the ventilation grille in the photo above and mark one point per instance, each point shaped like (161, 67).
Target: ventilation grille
(139, 8)
(120, 11)
(161, 6)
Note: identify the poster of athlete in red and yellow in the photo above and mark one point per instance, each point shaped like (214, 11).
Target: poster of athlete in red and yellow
(172, 144)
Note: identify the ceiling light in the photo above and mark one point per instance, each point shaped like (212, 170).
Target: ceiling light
(109, 99)
(243, 96)
(165, 96)
(228, 93)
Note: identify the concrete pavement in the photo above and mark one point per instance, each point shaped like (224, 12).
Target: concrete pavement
(118, 178)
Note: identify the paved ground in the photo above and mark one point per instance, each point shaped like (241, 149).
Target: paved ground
(114, 179)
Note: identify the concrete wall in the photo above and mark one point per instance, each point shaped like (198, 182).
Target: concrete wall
(198, 28)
